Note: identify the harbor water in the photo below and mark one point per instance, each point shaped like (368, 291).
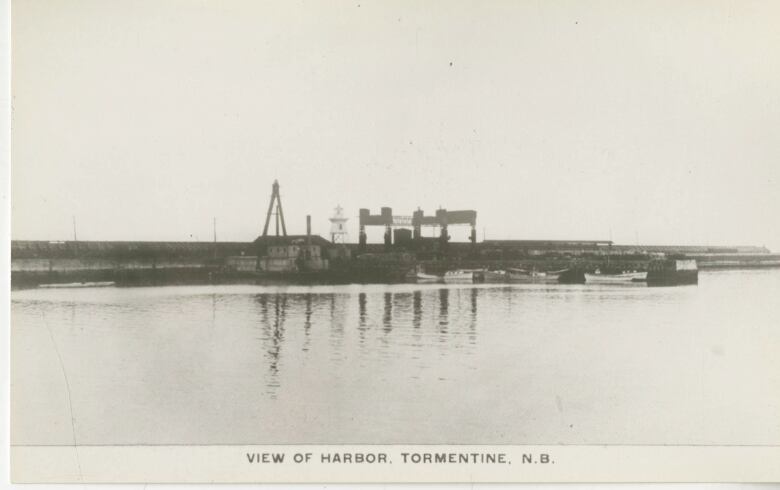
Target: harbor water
(404, 363)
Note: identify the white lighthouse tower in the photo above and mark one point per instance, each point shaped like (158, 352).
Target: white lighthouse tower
(338, 226)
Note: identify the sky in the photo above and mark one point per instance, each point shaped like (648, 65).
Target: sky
(644, 122)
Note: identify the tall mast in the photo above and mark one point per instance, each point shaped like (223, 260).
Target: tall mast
(279, 215)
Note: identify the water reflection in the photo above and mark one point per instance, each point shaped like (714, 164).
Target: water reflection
(444, 306)
(453, 321)
(362, 310)
(292, 364)
(273, 336)
(213, 310)
(417, 309)
(332, 306)
(280, 313)
(473, 317)
(338, 317)
(262, 300)
(387, 318)
(307, 322)
(362, 318)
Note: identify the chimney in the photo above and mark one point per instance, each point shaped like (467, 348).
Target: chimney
(308, 229)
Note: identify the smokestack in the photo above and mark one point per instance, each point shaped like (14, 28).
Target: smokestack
(308, 229)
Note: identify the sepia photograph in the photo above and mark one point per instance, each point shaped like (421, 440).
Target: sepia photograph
(386, 241)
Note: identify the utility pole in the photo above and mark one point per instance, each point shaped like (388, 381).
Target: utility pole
(215, 237)
(75, 238)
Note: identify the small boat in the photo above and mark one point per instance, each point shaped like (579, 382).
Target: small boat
(619, 278)
(534, 276)
(459, 275)
(418, 275)
(422, 277)
(103, 284)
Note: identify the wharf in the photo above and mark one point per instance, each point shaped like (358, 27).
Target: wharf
(154, 263)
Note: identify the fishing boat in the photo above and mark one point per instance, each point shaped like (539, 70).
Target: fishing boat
(418, 275)
(612, 276)
(102, 284)
(534, 276)
(624, 277)
(423, 277)
(459, 275)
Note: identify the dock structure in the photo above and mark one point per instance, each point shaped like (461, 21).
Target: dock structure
(287, 254)
(40, 262)
(404, 248)
(442, 220)
(291, 254)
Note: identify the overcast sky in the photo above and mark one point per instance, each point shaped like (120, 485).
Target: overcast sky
(656, 122)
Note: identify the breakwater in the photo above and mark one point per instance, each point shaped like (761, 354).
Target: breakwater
(155, 263)
(126, 263)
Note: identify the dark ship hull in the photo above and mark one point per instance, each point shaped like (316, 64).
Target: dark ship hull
(672, 272)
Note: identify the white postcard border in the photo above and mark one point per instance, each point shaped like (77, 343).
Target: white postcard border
(231, 464)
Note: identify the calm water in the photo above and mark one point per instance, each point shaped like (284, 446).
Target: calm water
(517, 364)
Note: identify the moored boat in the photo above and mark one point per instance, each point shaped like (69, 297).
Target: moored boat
(618, 278)
(672, 272)
(418, 275)
(459, 275)
(534, 276)
(422, 277)
(495, 276)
